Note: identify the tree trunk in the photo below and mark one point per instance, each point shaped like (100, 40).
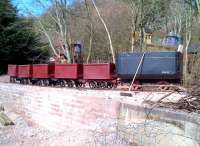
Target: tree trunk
(90, 44)
(188, 40)
(132, 39)
(198, 8)
(107, 31)
(48, 37)
(141, 38)
(166, 25)
(133, 33)
(142, 25)
(91, 32)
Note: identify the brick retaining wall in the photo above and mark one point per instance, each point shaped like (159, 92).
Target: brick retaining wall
(58, 109)
(61, 109)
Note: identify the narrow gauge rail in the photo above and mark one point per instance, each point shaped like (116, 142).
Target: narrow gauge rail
(143, 88)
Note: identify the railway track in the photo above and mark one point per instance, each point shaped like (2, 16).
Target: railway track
(140, 88)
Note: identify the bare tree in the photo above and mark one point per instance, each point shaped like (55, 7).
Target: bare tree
(134, 22)
(196, 6)
(91, 30)
(188, 36)
(107, 31)
(43, 30)
(54, 24)
(176, 17)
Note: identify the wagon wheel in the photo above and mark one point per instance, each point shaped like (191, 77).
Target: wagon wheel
(136, 86)
(21, 81)
(109, 85)
(70, 84)
(83, 84)
(14, 80)
(163, 86)
(115, 85)
(34, 82)
(92, 84)
(40, 83)
(53, 83)
(11, 80)
(25, 81)
(46, 82)
(103, 84)
(78, 84)
(28, 81)
(98, 84)
(62, 83)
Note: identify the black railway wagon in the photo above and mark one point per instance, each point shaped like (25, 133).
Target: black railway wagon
(156, 66)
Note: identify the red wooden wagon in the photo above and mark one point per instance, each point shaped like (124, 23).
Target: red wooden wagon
(40, 71)
(24, 71)
(99, 75)
(40, 74)
(66, 73)
(12, 72)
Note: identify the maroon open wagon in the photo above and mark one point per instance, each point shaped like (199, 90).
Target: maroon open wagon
(12, 72)
(66, 74)
(66, 71)
(40, 71)
(24, 71)
(40, 74)
(99, 75)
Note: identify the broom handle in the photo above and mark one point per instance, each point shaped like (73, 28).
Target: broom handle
(137, 71)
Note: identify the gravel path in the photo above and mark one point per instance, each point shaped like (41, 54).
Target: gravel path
(4, 78)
